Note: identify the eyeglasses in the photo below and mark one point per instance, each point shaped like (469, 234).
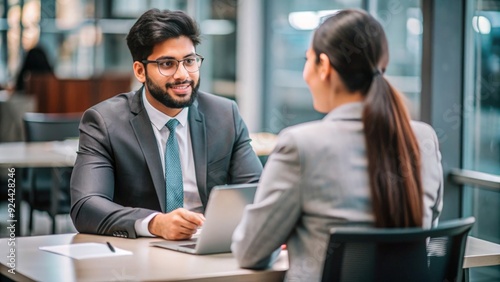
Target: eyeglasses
(168, 67)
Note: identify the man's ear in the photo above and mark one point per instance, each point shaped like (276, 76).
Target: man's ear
(139, 71)
(324, 66)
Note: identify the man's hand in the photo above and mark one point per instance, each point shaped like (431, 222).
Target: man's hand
(179, 224)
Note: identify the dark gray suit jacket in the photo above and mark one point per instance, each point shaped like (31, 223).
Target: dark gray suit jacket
(118, 176)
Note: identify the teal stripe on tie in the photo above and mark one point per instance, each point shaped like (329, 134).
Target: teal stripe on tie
(173, 171)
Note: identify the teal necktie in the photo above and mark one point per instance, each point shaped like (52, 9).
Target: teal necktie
(173, 171)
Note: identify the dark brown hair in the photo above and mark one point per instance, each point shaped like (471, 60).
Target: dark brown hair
(155, 26)
(356, 45)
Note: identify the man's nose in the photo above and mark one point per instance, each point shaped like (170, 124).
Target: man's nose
(181, 72)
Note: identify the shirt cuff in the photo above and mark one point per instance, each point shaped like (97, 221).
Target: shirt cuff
(141, 226)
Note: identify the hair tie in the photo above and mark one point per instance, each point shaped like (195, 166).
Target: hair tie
(377, 72)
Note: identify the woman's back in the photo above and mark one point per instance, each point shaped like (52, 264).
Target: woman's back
(364, 164)
(329, 165)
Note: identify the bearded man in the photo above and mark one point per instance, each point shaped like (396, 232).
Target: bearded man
(148, 159)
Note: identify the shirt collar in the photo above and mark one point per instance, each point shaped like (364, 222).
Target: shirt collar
(159, 119)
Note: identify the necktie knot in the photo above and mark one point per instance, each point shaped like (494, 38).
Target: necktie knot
(172, 124)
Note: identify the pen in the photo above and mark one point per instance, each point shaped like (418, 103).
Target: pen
(110, 246)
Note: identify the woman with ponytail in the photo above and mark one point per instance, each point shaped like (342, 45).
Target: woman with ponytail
(364, 164)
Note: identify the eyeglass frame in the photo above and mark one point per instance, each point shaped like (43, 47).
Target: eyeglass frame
(145, 62)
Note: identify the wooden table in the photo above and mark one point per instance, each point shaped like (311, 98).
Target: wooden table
(481, 253)
(157, 264)
(58, 154)
(146, 264)
(38, 154)
(16, 155)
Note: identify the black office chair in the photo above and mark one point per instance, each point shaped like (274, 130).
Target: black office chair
(38, 181)
(397, 254)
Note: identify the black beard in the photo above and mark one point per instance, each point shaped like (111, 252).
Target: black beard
(164, 97)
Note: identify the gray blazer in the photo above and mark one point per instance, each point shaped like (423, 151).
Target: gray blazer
(316, 179)
(118, 176)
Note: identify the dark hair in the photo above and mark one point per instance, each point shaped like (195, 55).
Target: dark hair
(35, 62)
(356, 45)
(155, 26)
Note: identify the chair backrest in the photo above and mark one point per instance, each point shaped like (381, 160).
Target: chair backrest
(397, 254)
(51, 127)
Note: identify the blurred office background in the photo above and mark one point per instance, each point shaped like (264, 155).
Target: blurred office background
(444, 56)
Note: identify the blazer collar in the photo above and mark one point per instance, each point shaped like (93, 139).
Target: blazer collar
(350, 111)
(136, 105)
(141, 125)
(197, 128)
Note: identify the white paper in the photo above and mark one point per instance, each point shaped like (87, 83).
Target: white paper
(85, 250)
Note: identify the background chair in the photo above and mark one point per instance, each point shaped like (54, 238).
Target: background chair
(397, 254)
(39, 181)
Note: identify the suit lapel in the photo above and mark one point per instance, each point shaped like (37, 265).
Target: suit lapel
(199, 143)
(147, 141)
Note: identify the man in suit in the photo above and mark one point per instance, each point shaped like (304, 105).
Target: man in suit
(134, 166)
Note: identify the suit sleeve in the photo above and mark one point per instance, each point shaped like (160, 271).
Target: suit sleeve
(92, 184)
(438, 206)
(267, 223)
(245, 166)
(432, 173)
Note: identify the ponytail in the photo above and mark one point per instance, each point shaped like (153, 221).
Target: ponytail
(356, 45)
(393, 158)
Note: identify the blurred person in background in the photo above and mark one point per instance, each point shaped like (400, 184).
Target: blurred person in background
(35, 62)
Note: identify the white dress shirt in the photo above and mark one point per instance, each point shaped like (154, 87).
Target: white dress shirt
(192, 200)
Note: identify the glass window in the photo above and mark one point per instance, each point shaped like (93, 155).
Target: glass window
(219, 31)
(85, 38)
(3, 43)
(288, 31)
(402, 22)
(481, 116)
